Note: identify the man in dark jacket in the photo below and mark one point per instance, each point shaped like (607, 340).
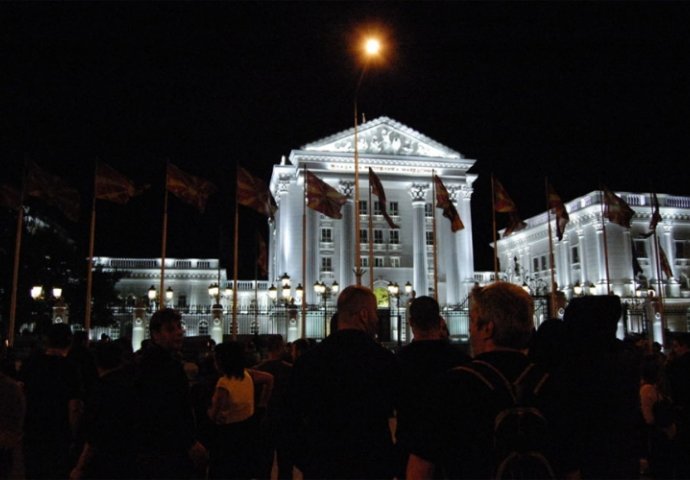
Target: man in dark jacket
(167, 441)
(341, 396)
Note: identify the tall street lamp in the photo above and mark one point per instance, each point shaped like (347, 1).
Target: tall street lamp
(152, 294)
(371, 48)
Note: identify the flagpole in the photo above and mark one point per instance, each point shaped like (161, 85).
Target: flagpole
(493, 216)
(551, 258)
(358, 260)
(161, 292)
(17, 250)
(89, 265)
(606, 246)
(303, 329)
(433, 224)
(371, 241)
(659, 287)
(235, 255)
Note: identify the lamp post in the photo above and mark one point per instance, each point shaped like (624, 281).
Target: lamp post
(326, 292)
(152, 294)
(395, 292)
(169, 294)
(371, 48)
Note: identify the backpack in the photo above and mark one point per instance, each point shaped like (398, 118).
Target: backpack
(521, 437)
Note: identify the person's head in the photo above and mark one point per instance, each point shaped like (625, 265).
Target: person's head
(357, 310)
(425, 318)
(501, 316)
(58, 336)
(166, 329)
(592, 321)
(275, 346)
(548, 344)
(299, 347)
(108, 355)
(680, 344)
(230, 359)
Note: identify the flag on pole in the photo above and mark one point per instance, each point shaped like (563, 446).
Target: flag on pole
(443, 201)
(665, 266)
(10, 197)
(504, 204)
(562, 218)
(262, 257)
(324, 198)
(656, 217)
(253, 193)
(616, 210)
(188, 188)
(502, 201)
(52, 189)
(377, 189)
(515, 224)
(111, 185)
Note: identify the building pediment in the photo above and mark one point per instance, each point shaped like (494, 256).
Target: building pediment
(383, 136)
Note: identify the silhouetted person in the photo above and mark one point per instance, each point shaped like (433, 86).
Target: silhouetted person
(54, 406)
(167, 438)
(341, 396)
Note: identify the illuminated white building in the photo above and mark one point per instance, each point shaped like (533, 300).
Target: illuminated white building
(580, 257)
(404, 161)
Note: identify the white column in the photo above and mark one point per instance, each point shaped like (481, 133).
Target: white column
(419, 261)
(463, 242)
(283, 232)
(627, 275)
(313, 253)
(601, 259)
(448, 263)
(581, 254)
(673, 288)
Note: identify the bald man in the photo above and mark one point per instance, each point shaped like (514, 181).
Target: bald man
(342, 394)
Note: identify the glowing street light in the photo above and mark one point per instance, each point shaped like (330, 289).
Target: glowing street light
(372, 48)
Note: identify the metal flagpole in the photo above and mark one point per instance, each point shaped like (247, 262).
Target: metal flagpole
(606, 246)
(161, 292)
(17, 250)
(235, 256)
(303, 330)
(89, 265)
(371, 241)
(493, 216)
(552, 298)
(433, 223)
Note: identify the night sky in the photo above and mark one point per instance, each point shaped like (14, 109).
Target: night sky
(584, 92)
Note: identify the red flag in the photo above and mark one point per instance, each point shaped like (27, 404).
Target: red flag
(502, 201)
(656, 218)
(443, 201)
(324, 198)
(253, 193)
(562, 217)
(111, 185)
(262, 257)
(515, 224)
(188, 188)
(616, 210)
(377, 189)
(52, 189)
(665, 266)
(10, 197)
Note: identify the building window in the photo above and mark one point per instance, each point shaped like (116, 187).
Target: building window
(535, 264)
(326, 264)
(364, 236)
(428, 210)
(393, 208)
(182, 301)
(379, 261)
(377, 208)
(203, 327)
(363, 207)
(378, 236)
(682, 249)
(394, 236)
(395, 262)
(640, 248)
(429, 238)
(364, 261)
(543, 263)
(575, 254)
(326, 235)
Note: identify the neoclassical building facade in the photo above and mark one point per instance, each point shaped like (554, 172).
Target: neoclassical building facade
(405, 161)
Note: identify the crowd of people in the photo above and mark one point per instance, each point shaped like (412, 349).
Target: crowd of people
(587, 404)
